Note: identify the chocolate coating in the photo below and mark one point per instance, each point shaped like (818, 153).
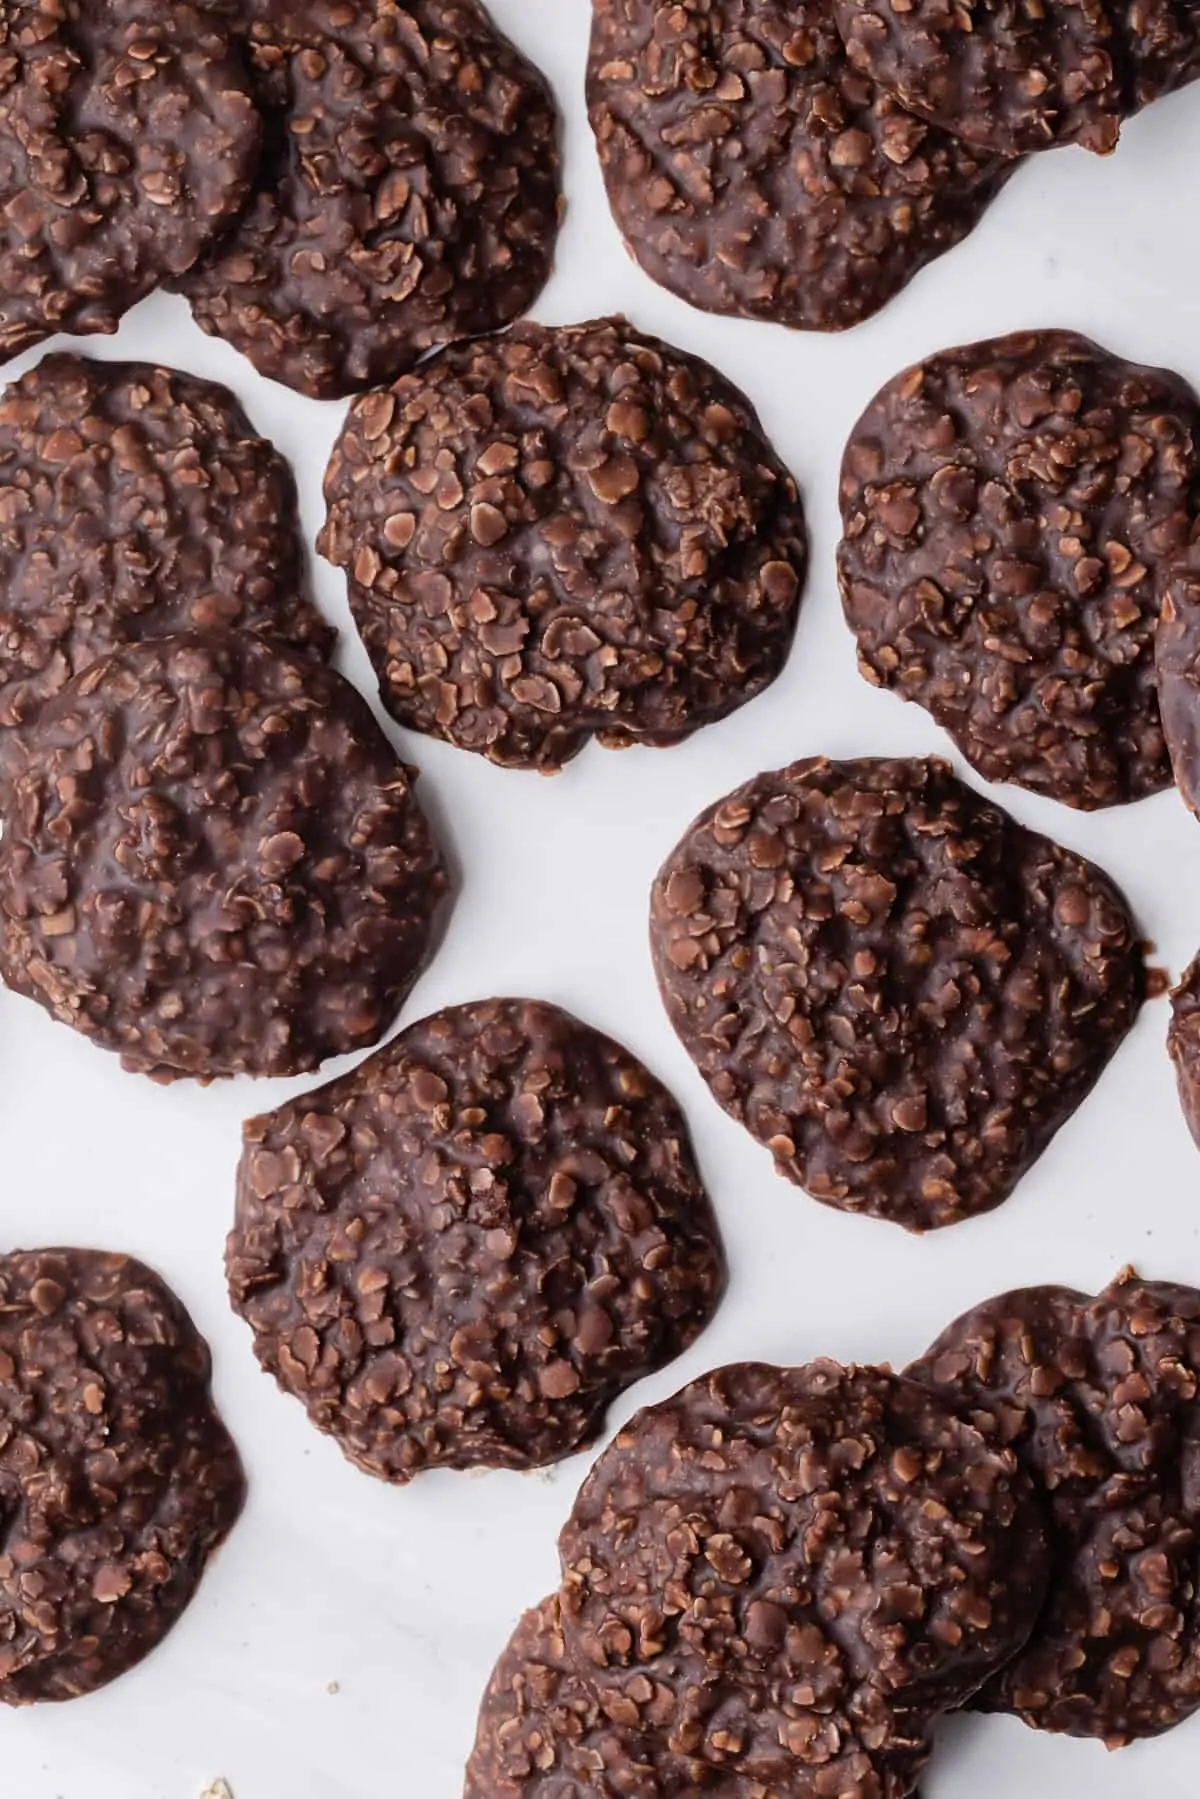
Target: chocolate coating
(213, 863)
(1183, 1043)
(563, 533)
(543, 1734)
(1007, 508)
(463, 1251)
(1009, 77)
(136, 502)
(128, 139)
(792, 1572)
(409, 192)
(894, 986)
(117, 1478)
(752, 170)
(1097, 1397)
(1177, 665)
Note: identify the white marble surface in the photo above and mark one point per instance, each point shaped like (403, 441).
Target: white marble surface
(401, 1599)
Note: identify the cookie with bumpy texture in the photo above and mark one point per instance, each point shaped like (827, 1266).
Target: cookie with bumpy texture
(1177, 665)
(753, 170)
(1009, 77)
(791, 1572)
(212, 861)
(1097, 1398)
(136, 502)
(409, 192)
(460, 1253)
(117, 1478)
(1183, 1044)
(895, 987)
(543, 1734)
(565, 532)
(128, 139)
(1007, 511)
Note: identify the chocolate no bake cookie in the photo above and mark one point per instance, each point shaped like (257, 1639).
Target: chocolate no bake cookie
(753, 170)
(460, 1253)
(1183, 1042)
(894, 986)
(565, 532)
(128, 140)
(135, 502)
(409, 191)
(545, 1734)
(117, 1477)
(1010, 77)
(1098, 1399)
(1007, 510)
(1177, 665)
(213, 862)
(790, 1573)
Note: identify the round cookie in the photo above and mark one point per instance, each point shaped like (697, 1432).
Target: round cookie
(566, 532)
(752, 170)
(460, 1253)
(1097, 1398)
(213, 863)
(1009, 77)
(128, 140)
(543, 1734)
(117, 1478)
(1007, 508)
(792, 1572)
(1177, 666)
(409, 192)
(895, 987)
(1183, 1043)
(135, 502)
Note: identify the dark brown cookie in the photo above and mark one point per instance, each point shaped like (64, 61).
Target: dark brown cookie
(117, 1477)
(128, 139)
(135, 502)
(1183, 1042)
(544, 1734)
(894, 986)
(1098, 1399)
(409, 192)
(1009, 77)
(566, 532)
(1007, 508)
(1177, 665)
(462, 1252)
(791, 1572)
(213, 862)
(752, 170)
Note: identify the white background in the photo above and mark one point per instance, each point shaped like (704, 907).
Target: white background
(402, 1597)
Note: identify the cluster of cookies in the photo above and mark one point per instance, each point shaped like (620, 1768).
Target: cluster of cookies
(335, 188)
(778, 1581)
(801, 160)
(213, 863)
